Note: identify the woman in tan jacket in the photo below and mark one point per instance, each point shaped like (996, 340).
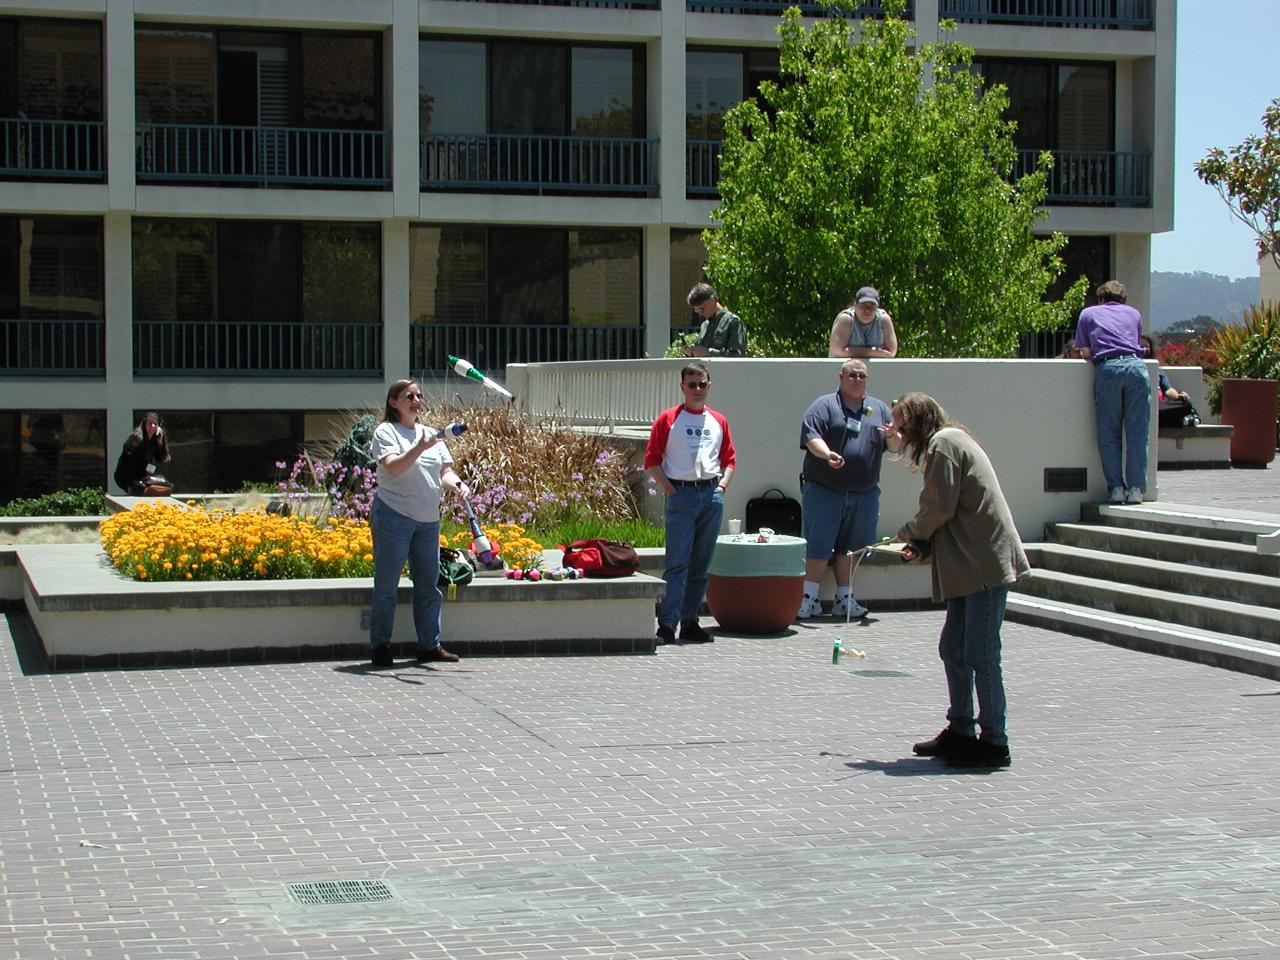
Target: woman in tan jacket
(964, 521)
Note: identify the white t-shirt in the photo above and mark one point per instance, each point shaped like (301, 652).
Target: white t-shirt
(693, 446)
(416, 492)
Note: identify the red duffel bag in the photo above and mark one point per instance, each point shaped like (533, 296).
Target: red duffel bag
(597, 557)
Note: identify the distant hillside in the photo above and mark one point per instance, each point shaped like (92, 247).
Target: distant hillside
(1177, 297)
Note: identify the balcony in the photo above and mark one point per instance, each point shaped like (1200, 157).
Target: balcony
(702, 168)
(491, 346)
(261, 156)
(773, 8)
(51, 149)
(1106, 178)
(280, 349)
(538, 164)
(1096, 14)
(55, 348)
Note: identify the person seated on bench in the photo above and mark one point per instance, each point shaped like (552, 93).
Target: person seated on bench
(1176, 409)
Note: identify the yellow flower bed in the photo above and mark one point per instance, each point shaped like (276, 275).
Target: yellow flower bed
(162, 541)
(516, 550)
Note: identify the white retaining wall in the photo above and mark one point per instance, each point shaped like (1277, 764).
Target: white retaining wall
(1029, 415)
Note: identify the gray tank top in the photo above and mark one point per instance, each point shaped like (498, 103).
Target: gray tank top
(872, 335)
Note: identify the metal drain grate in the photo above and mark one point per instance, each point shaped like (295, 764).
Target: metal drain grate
(341, 891)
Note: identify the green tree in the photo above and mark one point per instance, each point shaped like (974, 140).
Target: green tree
(868, 163)
(1248, 180)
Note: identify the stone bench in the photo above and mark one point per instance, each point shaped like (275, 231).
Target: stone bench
(1206, 446)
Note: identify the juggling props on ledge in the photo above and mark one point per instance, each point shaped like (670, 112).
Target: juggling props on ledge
(559, 573)
(464, 369)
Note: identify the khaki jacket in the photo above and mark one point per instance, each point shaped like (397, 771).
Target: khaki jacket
(965, 517)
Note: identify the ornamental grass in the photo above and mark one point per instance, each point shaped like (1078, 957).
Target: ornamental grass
(164, 541)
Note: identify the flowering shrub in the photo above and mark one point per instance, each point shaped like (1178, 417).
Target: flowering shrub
(163, 541)
(1189, 353)
(347, 490)
(508, 540)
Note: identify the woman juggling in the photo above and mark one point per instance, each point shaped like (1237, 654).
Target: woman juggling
(965, 522)
(414, 467)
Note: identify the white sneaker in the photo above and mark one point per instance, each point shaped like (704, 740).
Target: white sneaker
(809, 607)
(1134, 495)
(848, 610)
(1117, 494)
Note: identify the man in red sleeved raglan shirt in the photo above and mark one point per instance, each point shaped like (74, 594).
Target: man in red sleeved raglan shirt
(690, 457)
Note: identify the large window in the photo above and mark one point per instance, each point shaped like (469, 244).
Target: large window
(525, 275)
(47, 450)
(254, 271)
(688, 258)
(236, 77)
(51, 70)
(716, 80)
(50, 268)
(526, 87)
(1083, 256)
(1057, 105)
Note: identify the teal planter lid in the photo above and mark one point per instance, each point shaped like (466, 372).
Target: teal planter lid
(782, 556)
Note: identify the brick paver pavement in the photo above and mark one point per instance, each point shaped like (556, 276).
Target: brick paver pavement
(743, 799)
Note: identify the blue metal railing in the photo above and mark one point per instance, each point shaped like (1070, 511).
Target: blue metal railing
(1044, 344)
(773, 8)
(526, 162)
(491, 346)
(702, 167)
(284, 348)
(52, 347)
(264, 156)
(1098, 14)
(1104, 177)
(63, 149)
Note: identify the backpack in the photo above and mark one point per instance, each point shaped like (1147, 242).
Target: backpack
(456, 569)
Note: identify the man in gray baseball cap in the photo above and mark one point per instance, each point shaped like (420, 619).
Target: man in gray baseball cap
(863, 329)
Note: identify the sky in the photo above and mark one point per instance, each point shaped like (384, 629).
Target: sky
(1228, 70)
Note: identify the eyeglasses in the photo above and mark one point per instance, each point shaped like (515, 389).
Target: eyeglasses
(698, 384)
(411, 396)
(854, 376)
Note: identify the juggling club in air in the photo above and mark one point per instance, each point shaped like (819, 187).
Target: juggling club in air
(464, 369)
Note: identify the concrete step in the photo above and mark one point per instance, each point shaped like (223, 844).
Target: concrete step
(1233, 526)
(1202, 613)
(1182, 578)
(1166, 547)
(1223, 650)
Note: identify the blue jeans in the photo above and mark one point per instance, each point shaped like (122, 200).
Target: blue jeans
(692, 516)
(835, 521)
(397, 538)
(970, 652)
(1122, 403)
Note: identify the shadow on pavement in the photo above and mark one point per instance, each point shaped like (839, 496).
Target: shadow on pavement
(915, 767)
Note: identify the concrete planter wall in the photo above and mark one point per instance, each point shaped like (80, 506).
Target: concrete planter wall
(1250, 407)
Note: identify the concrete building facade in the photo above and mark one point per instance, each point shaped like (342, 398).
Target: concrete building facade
(251, 216)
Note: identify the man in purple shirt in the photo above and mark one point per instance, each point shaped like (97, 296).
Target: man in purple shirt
(1107, 336)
